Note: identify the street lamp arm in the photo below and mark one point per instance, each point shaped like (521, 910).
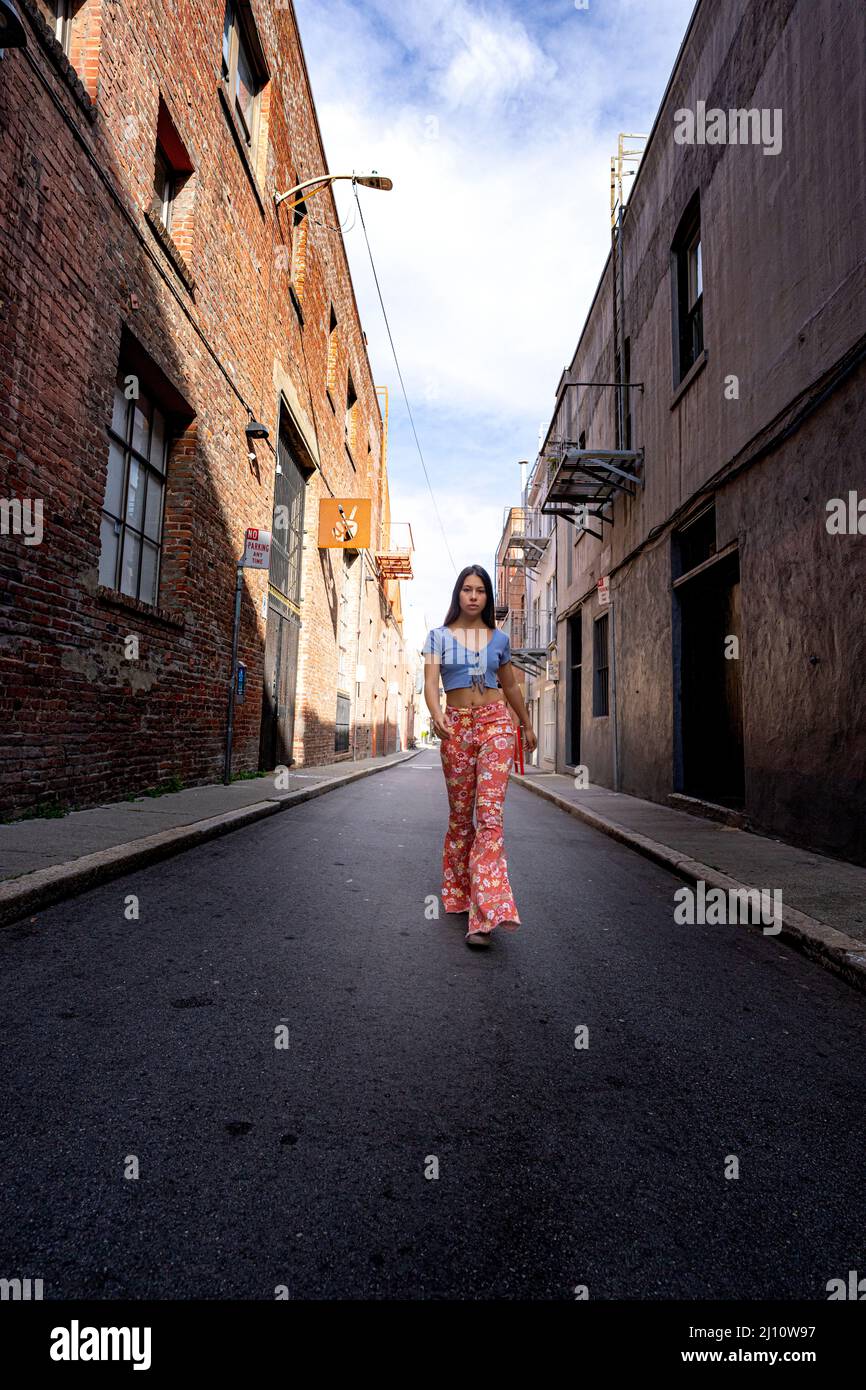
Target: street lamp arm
(373, 180)
(280, 197)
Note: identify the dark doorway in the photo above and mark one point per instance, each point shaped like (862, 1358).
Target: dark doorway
(284, 613)
(575, 684)
(710, 688)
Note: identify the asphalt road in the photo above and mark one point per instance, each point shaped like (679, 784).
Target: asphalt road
(304, 1166)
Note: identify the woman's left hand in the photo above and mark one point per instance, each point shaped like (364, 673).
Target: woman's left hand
(530, 742)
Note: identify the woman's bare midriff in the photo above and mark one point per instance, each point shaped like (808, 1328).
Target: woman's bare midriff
(466, 695)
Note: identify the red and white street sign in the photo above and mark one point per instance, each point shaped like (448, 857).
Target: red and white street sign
(603, 589)
(257, 549)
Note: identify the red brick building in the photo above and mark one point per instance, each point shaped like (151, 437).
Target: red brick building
(155, 300)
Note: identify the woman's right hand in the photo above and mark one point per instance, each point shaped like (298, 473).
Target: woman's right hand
(438, 721)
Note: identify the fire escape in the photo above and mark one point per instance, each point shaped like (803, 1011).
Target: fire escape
(578, 483)
(525, 539)
(568, 479)
(394, 560)
(394, 553)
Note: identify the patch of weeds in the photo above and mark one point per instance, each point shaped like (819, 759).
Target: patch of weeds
(173, 784)
(48, 810)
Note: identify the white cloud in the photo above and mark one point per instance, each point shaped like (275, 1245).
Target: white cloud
(496, 60)
(496, 124)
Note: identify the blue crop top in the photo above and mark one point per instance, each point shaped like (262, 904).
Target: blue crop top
(462, 666)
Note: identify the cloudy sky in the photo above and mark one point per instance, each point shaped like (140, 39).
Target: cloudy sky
(496, 122)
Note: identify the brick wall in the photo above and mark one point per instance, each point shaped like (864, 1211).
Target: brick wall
(88, 277)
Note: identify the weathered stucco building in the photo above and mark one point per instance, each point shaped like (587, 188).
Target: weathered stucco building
(726, 669)
(155, 301)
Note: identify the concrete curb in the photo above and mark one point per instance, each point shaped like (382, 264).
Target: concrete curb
(30, 892)
(833, 949)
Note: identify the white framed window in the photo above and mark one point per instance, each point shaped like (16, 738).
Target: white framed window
(242, 70)
(63, 24)
(164, 187)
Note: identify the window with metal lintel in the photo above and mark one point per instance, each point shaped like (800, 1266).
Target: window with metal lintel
(687, 286)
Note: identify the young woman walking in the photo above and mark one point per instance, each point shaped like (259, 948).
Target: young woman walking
(468, 652)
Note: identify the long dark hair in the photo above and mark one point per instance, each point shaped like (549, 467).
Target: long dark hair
(487, 613)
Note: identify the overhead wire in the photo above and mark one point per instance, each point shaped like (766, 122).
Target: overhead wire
(400, 375)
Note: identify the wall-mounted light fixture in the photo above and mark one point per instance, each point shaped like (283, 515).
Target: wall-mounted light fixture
(256, 430)
(373, 180)
(12, 32)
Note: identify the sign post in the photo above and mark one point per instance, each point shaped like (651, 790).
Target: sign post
(257, 555)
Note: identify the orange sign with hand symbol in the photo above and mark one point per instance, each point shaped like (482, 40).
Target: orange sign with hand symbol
(344, 523)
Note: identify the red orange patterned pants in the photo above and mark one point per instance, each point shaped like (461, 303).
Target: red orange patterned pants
(477, 759)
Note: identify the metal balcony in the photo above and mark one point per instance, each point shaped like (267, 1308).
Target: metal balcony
(531, 636)
(581, 484)
(395, 558)
(526, 535)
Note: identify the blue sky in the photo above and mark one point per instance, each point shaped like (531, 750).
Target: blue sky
(496, 122)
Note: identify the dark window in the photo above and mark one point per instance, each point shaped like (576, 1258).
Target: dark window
(131, 529)
(695, 542)
(575, 632)
(688, 291)
(341, 726)
(600, 663)
(623, 438)
(332, 352)
(173, 189)
(300, 228)
(351, 411)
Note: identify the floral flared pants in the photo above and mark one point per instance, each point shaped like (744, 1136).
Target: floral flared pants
(477, 759)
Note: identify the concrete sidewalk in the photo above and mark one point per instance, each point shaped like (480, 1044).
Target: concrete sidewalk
(823, 899)
(44, 860)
